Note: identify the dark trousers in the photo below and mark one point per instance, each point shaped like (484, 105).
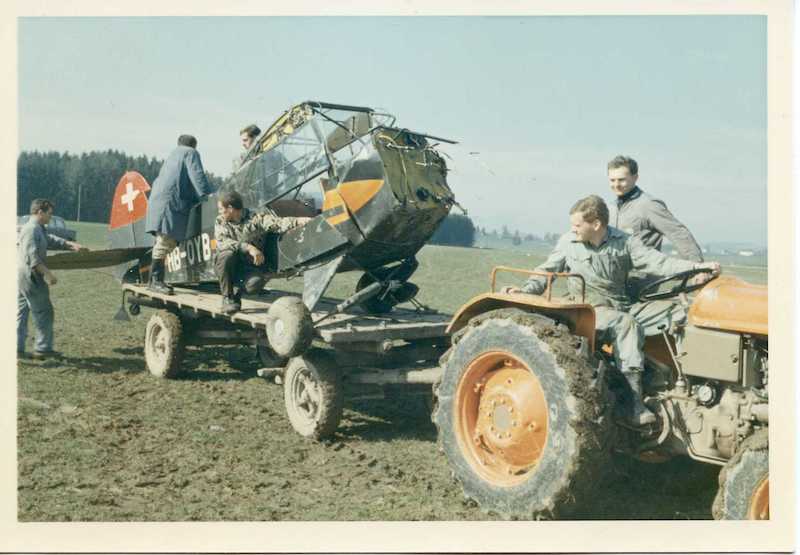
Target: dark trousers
(231, 267)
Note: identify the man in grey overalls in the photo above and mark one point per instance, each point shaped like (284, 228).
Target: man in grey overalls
(646, 217)
(181, 184)
(34, 279)
(604, 256)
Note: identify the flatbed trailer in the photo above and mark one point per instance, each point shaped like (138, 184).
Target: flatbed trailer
(348, 355)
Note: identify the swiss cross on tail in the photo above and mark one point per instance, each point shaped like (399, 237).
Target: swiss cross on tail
(130, 200)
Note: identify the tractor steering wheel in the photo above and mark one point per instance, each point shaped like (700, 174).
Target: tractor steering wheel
(649, 291)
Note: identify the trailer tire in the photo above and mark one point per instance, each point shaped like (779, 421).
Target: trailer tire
(269, 358)
(163, 344)
(312, 393)
(524, 420)
(744, 482)
(289, 327)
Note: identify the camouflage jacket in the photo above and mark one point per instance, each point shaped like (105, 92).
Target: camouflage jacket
(604, 268)
(233, 236)
(649, 219)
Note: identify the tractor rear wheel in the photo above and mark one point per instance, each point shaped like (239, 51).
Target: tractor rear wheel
(523, 418)
(744, 482)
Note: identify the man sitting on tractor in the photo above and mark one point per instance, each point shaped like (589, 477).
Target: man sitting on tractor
(239, 233)
(604, 256)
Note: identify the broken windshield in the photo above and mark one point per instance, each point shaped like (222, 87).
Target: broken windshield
(299, 146)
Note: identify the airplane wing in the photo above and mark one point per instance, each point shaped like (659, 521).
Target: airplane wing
(83, 260)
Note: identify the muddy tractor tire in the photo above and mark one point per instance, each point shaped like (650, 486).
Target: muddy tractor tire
(313, 395)
(744, 482)
(524, 420)
(163, 345)
(289, 327)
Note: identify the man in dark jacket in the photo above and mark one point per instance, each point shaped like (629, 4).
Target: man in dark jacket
(646, 217)
(240, 233)
(180, 185)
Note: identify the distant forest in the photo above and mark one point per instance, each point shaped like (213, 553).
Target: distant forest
(62, 177)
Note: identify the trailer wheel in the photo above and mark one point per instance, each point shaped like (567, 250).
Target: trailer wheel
(289, 327)
(163, 344)
(523, 419)
(744, 482)
(268, 358)
(312, 392)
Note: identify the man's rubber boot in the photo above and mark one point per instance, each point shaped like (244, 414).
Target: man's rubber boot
(157, 284)
(640, 415)
(253, 283)
(230, 305)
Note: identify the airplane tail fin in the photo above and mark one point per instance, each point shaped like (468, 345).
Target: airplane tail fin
(126, 227)
(130, 201)
(130, 245)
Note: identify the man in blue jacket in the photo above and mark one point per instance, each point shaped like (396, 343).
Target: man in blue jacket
(181, 184)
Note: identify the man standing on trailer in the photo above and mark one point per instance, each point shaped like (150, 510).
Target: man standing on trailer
(34, 279)
(180, 185)
(604, 256)
(239, 233)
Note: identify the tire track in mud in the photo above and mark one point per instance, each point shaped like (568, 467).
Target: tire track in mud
(216, 445)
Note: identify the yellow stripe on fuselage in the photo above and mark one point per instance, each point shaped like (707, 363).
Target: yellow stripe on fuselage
(351, 196)
(358, 193)
(332, 200)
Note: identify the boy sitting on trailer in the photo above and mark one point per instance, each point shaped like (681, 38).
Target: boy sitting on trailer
(238, 232)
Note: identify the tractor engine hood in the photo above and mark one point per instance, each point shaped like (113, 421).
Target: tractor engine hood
(730, 304)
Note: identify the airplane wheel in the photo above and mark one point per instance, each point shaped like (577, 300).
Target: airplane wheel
(163, 344)
(289, 327)
(312, 393)
(374, 305)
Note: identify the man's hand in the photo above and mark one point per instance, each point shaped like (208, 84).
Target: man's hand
(510, 290)
(700, 279)
(50, 278)
(73, 246)
(256, 255)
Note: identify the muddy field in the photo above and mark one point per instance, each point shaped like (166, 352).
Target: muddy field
(99, 439)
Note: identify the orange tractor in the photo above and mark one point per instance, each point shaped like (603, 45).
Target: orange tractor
(528, 404)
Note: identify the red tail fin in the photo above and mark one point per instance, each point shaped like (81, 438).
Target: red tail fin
(130, 201)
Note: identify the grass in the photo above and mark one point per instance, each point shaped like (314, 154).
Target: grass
(101, 440)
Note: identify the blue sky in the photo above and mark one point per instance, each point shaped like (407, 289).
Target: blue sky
(545, 101)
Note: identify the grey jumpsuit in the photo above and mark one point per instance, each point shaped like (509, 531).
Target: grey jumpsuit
(33, 293)
(605, 269)
(650, 220)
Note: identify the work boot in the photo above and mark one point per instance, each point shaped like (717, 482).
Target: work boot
(253, 283)
(230, 305)
(640, 415)
(157, 284)
(45, 355)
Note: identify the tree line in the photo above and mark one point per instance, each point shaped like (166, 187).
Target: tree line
(81, 186)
